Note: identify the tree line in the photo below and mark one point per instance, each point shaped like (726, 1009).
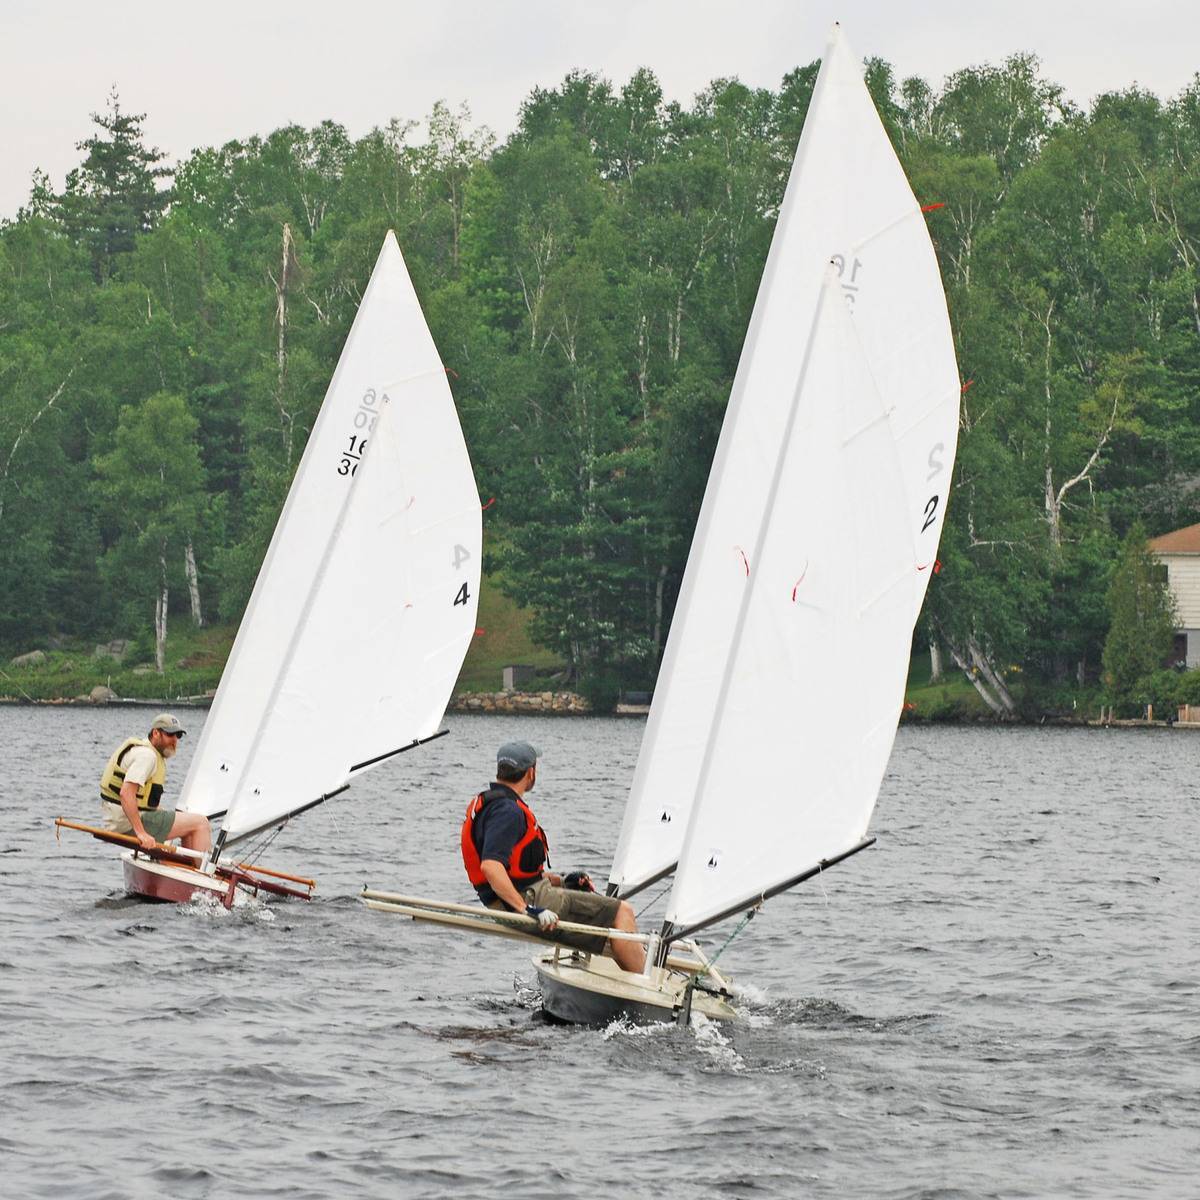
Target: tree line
(166, 338)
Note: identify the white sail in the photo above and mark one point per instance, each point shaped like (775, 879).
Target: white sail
(365, 603)
(847, 200)
(811, 694)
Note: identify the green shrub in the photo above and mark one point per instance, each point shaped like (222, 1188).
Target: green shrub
(1160, 689)
(602, 690)
(1188, 688)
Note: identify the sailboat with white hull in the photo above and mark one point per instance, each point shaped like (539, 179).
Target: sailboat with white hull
(362, 612)
(784, 673)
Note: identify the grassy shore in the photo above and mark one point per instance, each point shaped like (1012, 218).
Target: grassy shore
(951, 698)
(196, 657)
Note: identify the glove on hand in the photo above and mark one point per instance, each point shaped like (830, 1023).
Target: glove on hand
(546, 918)
(579, 881)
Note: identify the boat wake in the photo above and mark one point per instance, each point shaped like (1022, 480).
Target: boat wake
(207, 906)
(814, 1012)
(708, 1038)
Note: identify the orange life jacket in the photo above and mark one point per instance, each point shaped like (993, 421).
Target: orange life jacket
(528, 856)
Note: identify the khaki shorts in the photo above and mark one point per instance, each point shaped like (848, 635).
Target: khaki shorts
(157, 821)
(583, 908)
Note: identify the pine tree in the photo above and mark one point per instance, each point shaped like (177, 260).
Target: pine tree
(1143, 617)
(113, 195)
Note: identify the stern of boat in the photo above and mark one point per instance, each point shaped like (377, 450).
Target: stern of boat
(171, 883)
(586, 989)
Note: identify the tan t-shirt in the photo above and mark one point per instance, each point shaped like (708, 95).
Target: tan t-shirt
(140, 763)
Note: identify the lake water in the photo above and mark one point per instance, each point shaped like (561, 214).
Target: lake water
(1001, 998)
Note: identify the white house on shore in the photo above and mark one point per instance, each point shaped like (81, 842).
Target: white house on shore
(1179, 552)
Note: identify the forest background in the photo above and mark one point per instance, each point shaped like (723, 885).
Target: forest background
(166, 339)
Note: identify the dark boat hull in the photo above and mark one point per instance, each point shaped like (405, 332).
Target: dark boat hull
(581, 989)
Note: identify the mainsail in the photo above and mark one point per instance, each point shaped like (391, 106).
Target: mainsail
(812, 690)
(847, 201)
(365, 604)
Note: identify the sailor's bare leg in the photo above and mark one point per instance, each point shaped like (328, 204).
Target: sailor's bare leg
(630, 956)
(192, 830)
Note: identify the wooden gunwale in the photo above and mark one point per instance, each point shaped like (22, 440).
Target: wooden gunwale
(181, 856)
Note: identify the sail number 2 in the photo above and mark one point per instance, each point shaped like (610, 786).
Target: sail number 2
(935, 468)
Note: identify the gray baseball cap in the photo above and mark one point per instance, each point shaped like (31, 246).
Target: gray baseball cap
(518, 755)
(168, 724)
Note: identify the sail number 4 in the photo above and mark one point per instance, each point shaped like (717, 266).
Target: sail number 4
(461, 554)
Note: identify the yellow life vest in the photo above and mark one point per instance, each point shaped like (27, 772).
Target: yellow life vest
(150, 792)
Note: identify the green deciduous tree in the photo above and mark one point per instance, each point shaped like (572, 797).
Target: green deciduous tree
(151, 488)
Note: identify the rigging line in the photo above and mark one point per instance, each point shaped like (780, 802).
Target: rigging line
(331, 809)
(259, 848)
(821, 885)
(654, 900)
(738, 929)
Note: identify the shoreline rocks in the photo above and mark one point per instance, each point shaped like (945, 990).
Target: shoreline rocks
(525, 703)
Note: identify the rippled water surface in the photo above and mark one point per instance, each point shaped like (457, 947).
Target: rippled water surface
(998, 999)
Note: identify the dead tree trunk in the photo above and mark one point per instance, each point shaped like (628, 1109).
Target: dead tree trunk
(193, 582)
(160, 615)
(288, 260)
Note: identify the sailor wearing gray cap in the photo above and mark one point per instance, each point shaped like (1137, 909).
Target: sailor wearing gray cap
(131, 789)
(506, 853)
(518, 756)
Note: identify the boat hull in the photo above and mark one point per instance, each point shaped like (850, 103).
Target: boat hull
(171, 883)
(583, 989)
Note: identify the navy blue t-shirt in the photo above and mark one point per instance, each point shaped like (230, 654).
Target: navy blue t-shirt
(498, 828)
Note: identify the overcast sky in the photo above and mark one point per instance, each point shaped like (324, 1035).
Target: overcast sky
(208, 72)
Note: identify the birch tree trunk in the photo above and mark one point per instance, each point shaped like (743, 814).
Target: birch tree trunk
(977, 682)
(160, 615)
(656, 641)
(984, 665)
(193, 581)
(281, 320)
(21, 436)
(935, 661)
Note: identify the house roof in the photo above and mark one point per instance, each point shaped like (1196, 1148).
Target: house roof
(1178, 541)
